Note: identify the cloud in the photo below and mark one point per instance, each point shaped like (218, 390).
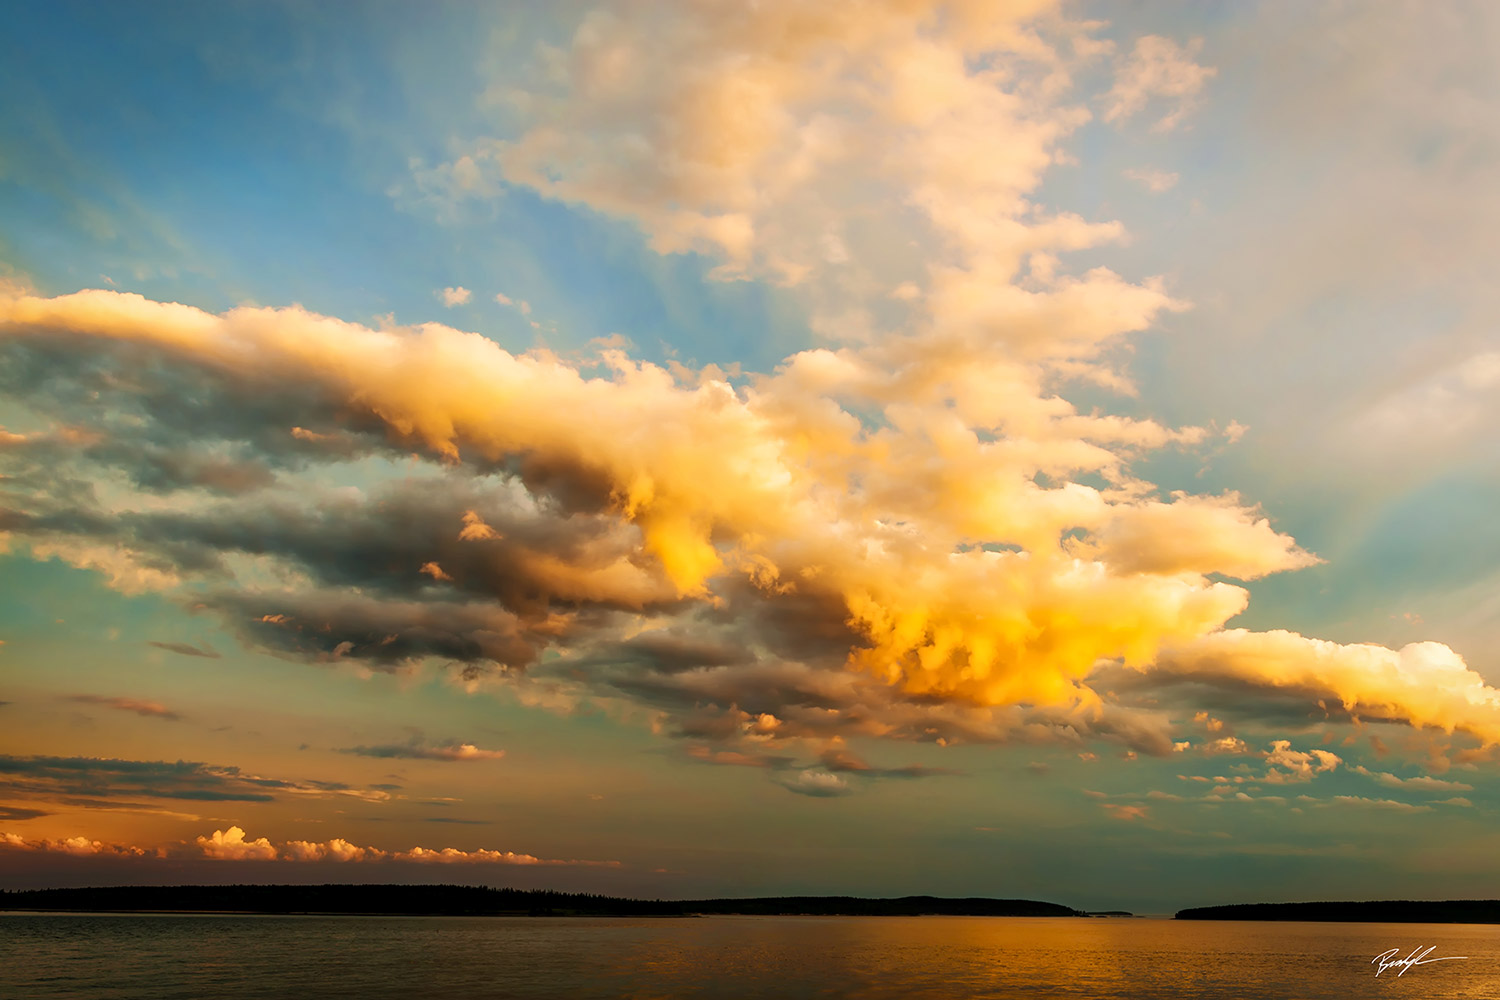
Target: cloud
(111, 784)
(234, 844)
(231, 845)
(455, 296)
(76, 846)
(1386, 805)
(739, 758)
(926, 526)
(1127, 813)
(654, 512)
(16, 813)
(817, 784)
(1158, 68)
(1418, 783)
(150, 709)
(186, 649)
(843, 762)
(1297, 765)
(520, 305)
(417, 749)
(1424, 683)
(1155, 181)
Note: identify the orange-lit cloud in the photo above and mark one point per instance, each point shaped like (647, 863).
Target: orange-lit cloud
(76, 846)
(234, 844)
(152, 709)
(231, 845)
(909, 529)
(1424, 683)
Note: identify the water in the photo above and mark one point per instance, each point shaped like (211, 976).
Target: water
(229, 957)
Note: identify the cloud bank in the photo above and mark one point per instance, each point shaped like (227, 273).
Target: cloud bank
(234, 844)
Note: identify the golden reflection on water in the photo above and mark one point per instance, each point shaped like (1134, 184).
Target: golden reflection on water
(146, 957)
(1050, 957)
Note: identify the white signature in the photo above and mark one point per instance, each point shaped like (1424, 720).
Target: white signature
(1388, 959)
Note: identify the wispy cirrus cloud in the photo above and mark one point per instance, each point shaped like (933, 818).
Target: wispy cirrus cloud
(1160, 70)
(150, 709)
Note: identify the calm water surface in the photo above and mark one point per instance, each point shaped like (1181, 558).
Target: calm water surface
(161, 957)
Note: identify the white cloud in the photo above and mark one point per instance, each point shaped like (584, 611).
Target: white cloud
(1155, 181)
(1158, 69)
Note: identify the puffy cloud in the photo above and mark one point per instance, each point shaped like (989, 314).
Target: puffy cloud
(234, 844)
(77, 846)
(343, 851)
(455, 296)
(1231, 745)
(231, 845)
(1297, 765)
(936, 614)
(1424, 683)
(1158, 68)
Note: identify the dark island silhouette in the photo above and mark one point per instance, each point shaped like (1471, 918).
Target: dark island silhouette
(467, 900)
(1385, 911)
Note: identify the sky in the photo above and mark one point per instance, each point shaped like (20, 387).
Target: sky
(1024, 449)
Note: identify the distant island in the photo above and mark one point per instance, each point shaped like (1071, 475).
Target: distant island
(1386, 911)
(465, 900)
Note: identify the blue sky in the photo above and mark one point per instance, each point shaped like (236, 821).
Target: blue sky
(797, 318)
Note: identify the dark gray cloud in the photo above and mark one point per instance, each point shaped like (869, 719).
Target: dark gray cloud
(106, 783)
(455, 820)
(17, 814)
(516, 568)
(99, 777)
(843, 762)
(417, 748)
(185, 649)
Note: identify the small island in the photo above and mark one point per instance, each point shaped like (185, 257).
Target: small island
(1387, 911)
(466, 900)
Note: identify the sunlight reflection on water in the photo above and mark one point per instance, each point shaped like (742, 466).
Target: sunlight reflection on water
(164, 957)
